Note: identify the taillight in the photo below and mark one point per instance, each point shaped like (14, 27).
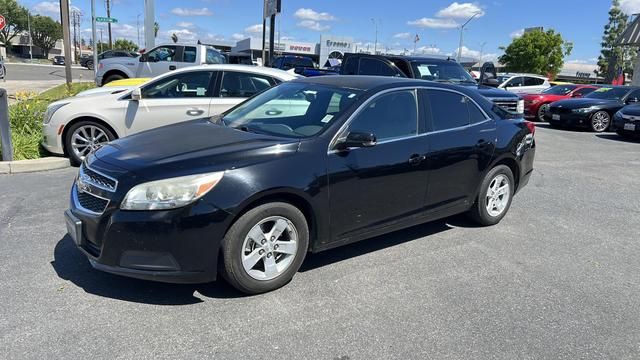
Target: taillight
(100, 65)
(531, 126)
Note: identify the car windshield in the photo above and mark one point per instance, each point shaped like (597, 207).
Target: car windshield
(441, 71)
(296, 110)
(559, 90)
(294, 62)
(608, 93)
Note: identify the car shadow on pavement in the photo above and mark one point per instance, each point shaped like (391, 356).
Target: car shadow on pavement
(328, 257)
(617, 137)
(73, 266)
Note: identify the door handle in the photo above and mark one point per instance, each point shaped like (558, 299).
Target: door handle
(195, 112)
(416, 159)
(172, 67)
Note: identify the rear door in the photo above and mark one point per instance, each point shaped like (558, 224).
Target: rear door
(176, 98)
(461, 143)
(234, 87)
(532, 85)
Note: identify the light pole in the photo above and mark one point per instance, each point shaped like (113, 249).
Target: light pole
(138, 26)
(30, 42)
(462, 32)
(375, 46)
(482, 51)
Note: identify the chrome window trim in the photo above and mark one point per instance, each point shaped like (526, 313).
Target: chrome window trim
(99, 186)
(336, 137)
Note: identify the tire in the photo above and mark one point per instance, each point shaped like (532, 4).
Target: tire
(600, 121)
(479, 212)
(541, 111)
(94, 132)
(238, 245)
(112, 77)
(90, 65)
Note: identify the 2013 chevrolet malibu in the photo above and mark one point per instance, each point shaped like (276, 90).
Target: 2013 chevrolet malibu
(302, 167)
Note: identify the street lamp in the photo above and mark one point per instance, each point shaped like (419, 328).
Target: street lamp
(462, 32)
(375, 46)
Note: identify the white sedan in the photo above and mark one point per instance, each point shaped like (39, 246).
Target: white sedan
(78, 125)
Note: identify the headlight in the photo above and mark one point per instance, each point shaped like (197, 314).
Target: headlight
(170, 193)
(520, 107)
(582, 110)
(51, 109)
(535, 101)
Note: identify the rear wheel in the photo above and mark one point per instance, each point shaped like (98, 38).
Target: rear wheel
(600, 121)
(494, 198)
(90, 65)
(112, 77)
(85, 137)
(265, 247)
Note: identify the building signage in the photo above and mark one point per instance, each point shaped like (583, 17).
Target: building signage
(300, 48)
(583, 74)
(338, 44)
(272, 7)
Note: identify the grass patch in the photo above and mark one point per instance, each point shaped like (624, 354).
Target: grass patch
(25, 117)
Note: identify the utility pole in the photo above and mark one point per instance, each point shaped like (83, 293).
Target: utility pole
(375, 46)
(149, 24)
(109, 24)
(64, 14)
(264, 37)
(30, 41)
(462, 32)
(138, 27)
(74, 12)
(95, 38)
(482, 51)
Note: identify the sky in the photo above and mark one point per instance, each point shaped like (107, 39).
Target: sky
(436, 22)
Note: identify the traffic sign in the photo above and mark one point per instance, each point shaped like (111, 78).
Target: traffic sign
(106, 19)
(2, 22)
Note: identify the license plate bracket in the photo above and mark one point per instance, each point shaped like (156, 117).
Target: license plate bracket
(74, 227)
(630, 127)
(555, 117)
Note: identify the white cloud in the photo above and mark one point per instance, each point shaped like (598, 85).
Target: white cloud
(403, 35)
(427, 50)
(191, 12)
(577, 61)
(517, 33)
(313, 25)
(434, 23)
(285, 38)
(460, 10)
(475, 54)
(184, 35)
(630, 6)
(310, 14)
(49, 8)
(238, 37)
(185, 24)
(254, 29)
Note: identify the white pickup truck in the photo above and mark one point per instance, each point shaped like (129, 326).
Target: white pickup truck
(159, 60)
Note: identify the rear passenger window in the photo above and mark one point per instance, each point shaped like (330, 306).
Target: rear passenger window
(369, 66)
(189, 54)
(475, 114)
(531, 81)
(448, 109)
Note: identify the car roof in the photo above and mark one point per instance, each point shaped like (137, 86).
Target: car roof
(365, 82)
(523, 74)
(280, 74)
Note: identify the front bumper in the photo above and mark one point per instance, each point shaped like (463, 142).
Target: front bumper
(98, 81)
(625, 126)
(176, 246)
(569, 119)
(51, 141)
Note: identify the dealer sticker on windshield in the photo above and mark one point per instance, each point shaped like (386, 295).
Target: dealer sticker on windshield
(327, 118)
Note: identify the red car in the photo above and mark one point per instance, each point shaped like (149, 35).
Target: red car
(535, 105)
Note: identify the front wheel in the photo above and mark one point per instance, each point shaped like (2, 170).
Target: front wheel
(265, 247)
(85, 137)
(494, 198)
(542, 110)
(600, 121)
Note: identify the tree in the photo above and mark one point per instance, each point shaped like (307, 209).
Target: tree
(123, 44)
(45, 32)
(174, 38)
(538, 52)
(16, 21)
(156, 28)
(614, 56)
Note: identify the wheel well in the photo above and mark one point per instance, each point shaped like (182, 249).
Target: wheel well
(515, 169)
(113, 72)
(289, 198)
(85, 118)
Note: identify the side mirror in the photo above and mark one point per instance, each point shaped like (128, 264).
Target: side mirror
(357, 140)
(491, 82)
(136, 94)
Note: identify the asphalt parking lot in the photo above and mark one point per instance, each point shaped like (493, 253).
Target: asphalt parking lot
(558, 278)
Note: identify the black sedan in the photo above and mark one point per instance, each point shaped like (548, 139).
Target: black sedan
(593, 111)
(626, 122)
(303, 167)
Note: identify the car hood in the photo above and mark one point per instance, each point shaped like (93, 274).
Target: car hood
(633, 110)
(112, 90)
(193, 144)
(491, 92)
(544, 97)
(583, 103)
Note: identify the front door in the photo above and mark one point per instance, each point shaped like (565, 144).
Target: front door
(461, 144)
(376, 186)
(176, 98)
(159, 61)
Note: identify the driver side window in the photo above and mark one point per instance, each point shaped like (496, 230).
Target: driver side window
(515, 82)
(194, 84)
(163, 53)
(389, 116)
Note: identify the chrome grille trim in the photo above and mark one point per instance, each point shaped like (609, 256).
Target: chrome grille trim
(77, 203)
(97, 179)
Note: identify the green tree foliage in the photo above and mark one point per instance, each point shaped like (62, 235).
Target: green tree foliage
(174, 37)
(123, 44)
(613, 56)
(538, 52)
(45, 32)
(16, 21)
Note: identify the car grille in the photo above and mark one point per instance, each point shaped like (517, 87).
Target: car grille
(509, 105)
(559, 110)
(91, 202)
(94, 178)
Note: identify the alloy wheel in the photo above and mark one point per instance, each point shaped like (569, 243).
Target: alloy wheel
(87, 139)
(497, 197)
(269, 248)
(542, 111)
(600, 121)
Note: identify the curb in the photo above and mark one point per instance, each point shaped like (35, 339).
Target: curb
(25, 166)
